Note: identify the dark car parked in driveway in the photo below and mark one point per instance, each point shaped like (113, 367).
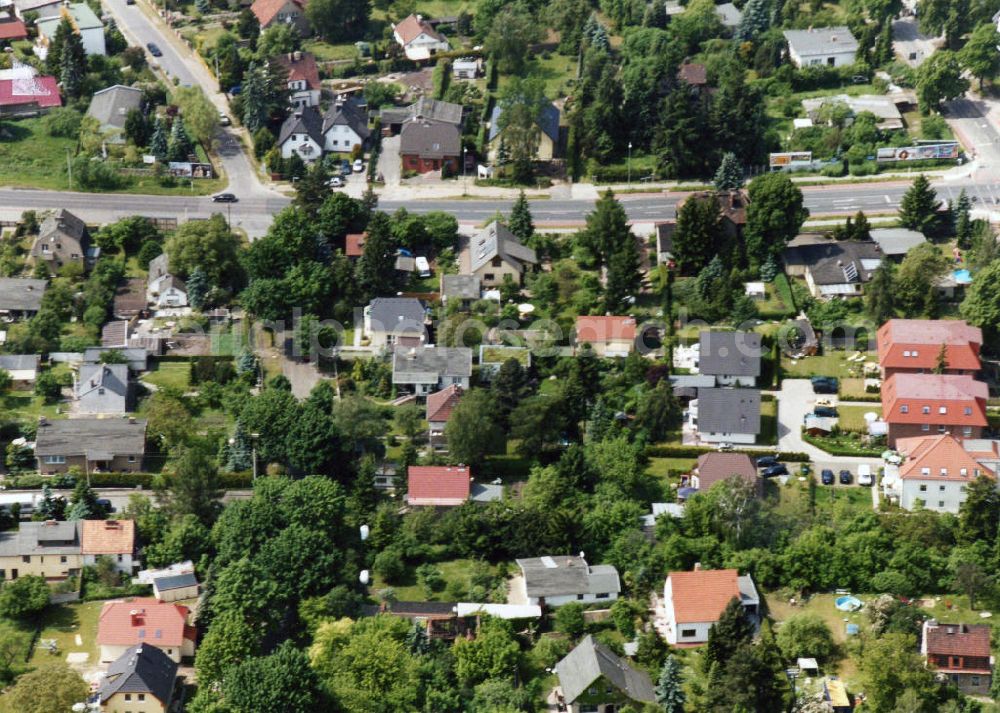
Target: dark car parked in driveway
(825, 411)
(827, 476)
(845, 477)
(767, 461)
(824, 384)
(775, 470)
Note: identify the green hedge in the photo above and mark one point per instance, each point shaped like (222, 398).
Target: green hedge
(227, 481)
(665, 451)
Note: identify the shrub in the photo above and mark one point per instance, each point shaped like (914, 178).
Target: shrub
(833, 170)
(389, 565)
(64, 122)
(867, 168)
(805, 634)
(569, 619)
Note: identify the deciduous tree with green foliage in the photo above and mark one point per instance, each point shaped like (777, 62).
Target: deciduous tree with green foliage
(981, 305)
(979, 56)
(917, 276)
(940, 79)
(890, 665)
(50, 687)
(774, 216)
(24, 597)
(472, 430)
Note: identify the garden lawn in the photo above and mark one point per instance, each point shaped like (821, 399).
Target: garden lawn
(454, 572)
(31, 158)
(768, 423)
(25, 406)
(831, 363)
(822, 605)
(325, 52)
(661, 467)
(170, 374)
(495, 355)
(62, 623)
(851, 418)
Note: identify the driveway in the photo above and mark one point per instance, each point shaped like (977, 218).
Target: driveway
(389, 162)
(795, 400)
(909, 44)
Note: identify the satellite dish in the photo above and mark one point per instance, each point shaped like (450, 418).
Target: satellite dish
(364, 532)
(364, 576)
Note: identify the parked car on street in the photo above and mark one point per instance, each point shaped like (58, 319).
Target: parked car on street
(224, 198)
(826, 476)
(845, 477)
(154, 49)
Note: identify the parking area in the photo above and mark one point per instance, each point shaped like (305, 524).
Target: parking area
(389, 164)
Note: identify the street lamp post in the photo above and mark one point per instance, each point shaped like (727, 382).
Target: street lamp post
(629, 164)
(465, 170)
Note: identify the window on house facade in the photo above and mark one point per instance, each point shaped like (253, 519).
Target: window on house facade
(904, 409)
(62, 559)
(940, 503)
(55, 460)
(942, 429)
(942, 409)
(687, 633)
(925, 409)
(925, 427)
(923, 488)
(966, 430)
(26, 559)
(968, 410)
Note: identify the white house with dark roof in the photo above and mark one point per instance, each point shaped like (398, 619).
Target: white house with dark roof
(302, 135)
(111, 107)
(163, 289)
(23, 368)
(560, 579)
(345, 125)
(423, 370)
(733, 358)
(302, 74)
(723, 415)
(832, 268)
(387, 319)
(821, 46)
(141, 679)
(103, 389)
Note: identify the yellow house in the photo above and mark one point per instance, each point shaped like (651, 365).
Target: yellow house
(141, 680)
(548, 134)
(47, 549)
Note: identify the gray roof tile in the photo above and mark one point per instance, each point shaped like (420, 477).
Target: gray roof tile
(590, 661)
(729, 353)
(141, 669)
(729, 410)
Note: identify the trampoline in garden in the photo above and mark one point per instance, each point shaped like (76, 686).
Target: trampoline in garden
(847, 603)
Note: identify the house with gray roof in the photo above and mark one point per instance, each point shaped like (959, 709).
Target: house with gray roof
(91, 444)
(896, 242)
(422, 370)
(164, 289)
(49, 549)
(559, 579)
(493, 253)
(111, 107)
(821, 46)
(20, 298)
(103, 389)
(729, 15)
(172, 587)
(137, 358)
(143, 672)
(594, 678)
(549, 144)
(733, 358)
(63, 239)
(725, 415)
(386, 319)
(345, 125)
(459, 289)
(426, 146)
(424, 109)
(23, 368)
(833, 268)
(301, 134)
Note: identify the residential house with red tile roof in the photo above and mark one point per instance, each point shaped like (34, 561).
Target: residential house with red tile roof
(913, 346)
(110, 538)
(440, 404)
(144, 620)
(732, 208)
(12, 28)
(715, 467)
(443, 486)
(28, 97)
(694, 601)
(302, 77)
(960, 653)
(354, 244)
(607, 336)
(289, 12)
(929, 404)
(418, 38)
(936, 470)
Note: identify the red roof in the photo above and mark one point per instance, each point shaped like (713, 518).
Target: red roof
(441, 403)
(713, 467)
(144, 620)
(355, 244)
(694, 74)
(412, 27)
(702, 595)
(267, 10)
(300, 66)
(108, 537)
(948, 399)
(13, 30)
(938, 458)
(596, 330)
(958, 639)
(916, 343)
(47, 100)
(437, 485)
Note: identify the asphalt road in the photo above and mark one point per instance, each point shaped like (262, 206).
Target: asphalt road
(254, 212)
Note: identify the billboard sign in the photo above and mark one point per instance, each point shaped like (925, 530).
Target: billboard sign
(791, 158)
(927, 152)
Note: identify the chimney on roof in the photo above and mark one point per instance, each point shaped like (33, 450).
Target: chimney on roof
(697, 567)
(297, 55)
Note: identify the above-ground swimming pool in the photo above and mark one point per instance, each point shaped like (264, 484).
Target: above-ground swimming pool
(962, 277)
(847, 603)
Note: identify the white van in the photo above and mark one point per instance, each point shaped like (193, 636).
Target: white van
(864, 474)
(423, 267)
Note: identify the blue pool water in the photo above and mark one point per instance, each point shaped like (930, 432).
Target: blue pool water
(848, 603)
(962, 277)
